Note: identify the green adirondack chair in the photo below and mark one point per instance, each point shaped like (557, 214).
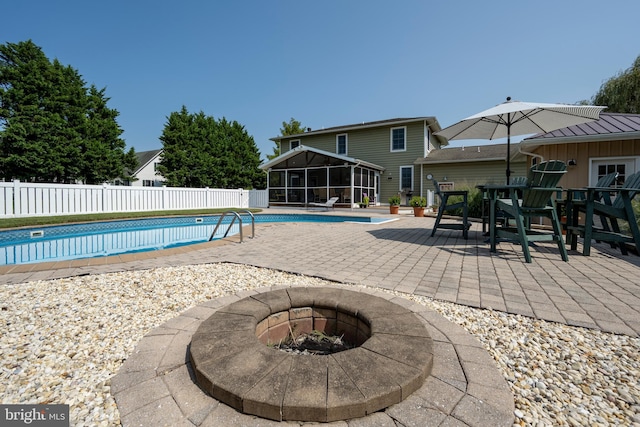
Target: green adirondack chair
(576, 202)
(445, 206)
(538, 200)
(612, 211)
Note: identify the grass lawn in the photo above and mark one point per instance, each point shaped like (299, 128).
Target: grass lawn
(64, 219)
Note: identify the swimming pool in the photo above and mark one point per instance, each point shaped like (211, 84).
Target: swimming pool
(95, 239)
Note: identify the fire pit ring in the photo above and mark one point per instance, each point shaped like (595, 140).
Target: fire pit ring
(233, 362)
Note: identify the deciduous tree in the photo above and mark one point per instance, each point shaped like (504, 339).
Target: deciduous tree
(294, 127)
(621, 93)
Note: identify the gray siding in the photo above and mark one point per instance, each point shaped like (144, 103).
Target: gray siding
(374, 145)
(468, 175)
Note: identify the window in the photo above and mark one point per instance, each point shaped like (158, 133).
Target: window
(624, 167)
(398, 139)
(406, 178)
(294, 144)
(341, 143)
(446, 186)
(155, 166)
(147, 183)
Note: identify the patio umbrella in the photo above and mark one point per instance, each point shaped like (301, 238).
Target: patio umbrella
(519, 118)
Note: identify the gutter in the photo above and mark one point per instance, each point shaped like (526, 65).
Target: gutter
(623, 136)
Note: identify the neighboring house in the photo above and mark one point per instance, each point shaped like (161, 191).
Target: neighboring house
(146, 174)
(591, 150)
(376, 158)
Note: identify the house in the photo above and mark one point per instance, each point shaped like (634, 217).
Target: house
(372, 158)
(467, 166)
(146, 175)
(394, 156)
(591, 150)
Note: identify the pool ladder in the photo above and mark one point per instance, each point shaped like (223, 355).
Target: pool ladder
(237, 216)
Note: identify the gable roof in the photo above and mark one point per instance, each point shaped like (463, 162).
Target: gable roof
(316, 158)
(432, 121)
(609, 126)
(145, 157)
(473, 153)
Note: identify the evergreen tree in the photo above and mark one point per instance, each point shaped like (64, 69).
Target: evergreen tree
(52, 128)
(199, 151)
(294, 127)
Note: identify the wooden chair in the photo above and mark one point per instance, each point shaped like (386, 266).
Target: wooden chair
(576, 201)
(538, 200)
(445, 206)
(612, 211)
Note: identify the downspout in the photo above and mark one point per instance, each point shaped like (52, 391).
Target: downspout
(526, 153)
(422, 180)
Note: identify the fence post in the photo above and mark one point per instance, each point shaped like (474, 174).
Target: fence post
(164, 197)
(103, 208)
(17, 208)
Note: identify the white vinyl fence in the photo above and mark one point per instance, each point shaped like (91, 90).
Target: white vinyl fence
(30, 199)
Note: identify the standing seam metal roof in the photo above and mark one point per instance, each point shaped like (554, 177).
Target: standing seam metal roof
(608, 124)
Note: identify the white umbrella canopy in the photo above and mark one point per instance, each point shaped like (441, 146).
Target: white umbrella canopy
(520, 118)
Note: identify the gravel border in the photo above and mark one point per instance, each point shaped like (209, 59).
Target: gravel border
(62, 340)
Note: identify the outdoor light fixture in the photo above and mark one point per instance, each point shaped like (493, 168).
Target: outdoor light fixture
(572, 162)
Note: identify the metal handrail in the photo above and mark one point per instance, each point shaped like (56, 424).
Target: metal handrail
(238, 217)
(253, 222)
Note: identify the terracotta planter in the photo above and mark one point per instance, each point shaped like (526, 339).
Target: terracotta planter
(393, 209)
(418, 211)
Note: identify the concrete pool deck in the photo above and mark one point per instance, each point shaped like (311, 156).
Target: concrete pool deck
(600, 292)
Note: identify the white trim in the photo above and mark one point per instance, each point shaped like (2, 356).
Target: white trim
(346, 144)
(302, 148)
(427, 142)
(628, 160)
(377, 124)
(400, 187)
(391, 139)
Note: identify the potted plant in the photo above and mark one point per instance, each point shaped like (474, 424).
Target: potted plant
(365, 201)
(394, 204)
(418, 203)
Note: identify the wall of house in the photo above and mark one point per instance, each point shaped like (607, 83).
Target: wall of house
(374, 145)
(580, 174)
(148, 173)
(468, 175)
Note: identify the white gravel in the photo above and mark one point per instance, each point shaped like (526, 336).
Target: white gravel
(62, 340)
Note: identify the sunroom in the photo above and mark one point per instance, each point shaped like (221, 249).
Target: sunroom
(307, 175)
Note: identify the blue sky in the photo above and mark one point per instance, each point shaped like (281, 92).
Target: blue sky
(328, 63)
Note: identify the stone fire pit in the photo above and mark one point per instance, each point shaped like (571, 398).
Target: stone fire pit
(234, 360)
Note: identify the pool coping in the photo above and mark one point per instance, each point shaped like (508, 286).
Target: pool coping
(95, 261)
(155, 385)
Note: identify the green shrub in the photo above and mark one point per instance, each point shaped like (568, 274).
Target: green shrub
(418, 201)
(474, 202)
(394, 200)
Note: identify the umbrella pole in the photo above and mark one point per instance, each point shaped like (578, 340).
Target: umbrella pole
(508, 147)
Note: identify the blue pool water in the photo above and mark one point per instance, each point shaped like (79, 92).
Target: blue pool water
(66, 242)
